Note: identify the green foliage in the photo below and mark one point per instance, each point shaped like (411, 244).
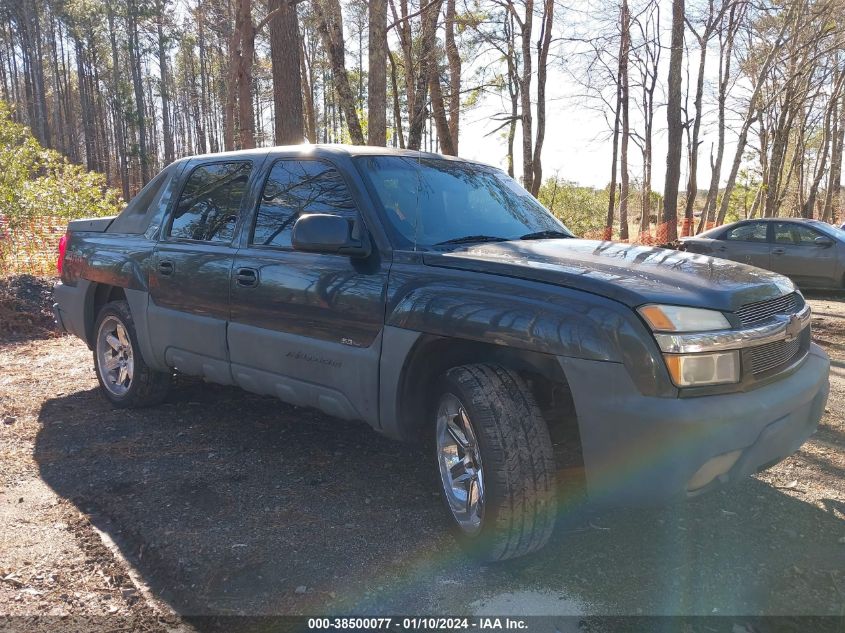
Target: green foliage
(38, 183)
(582, 209)
(742, 197)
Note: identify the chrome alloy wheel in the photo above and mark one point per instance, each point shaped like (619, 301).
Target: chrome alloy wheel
(459, 458)
(115, 360)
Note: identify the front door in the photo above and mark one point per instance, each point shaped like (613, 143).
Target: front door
(796, 255)
(189, 279)
(746, 243)
(306, 327)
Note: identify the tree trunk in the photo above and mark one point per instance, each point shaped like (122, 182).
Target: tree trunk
(167, 132)
(246, 112)
(525, 90)
(542, 66)
(85, 106)
(725, 53)
(285, 52)
(611, 201)
(330, 24)
(692, 178)
(438, 111)
(138, 85)
(667, 231)
(205, 115)
(453, 58)
(624, 48)
(832, 201)
(427, 42)
(513, 87)
(828, 138)
(307, 75)
(231, 89)
(118, 109)
(377, 80)
(397, 109)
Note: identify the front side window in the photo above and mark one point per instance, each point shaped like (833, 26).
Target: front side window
(791, 233)
(751, 232)
(208, 208)
(295, 187)
(429, 201)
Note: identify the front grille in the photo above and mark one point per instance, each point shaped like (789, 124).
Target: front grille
(753, 313)
(771, 355)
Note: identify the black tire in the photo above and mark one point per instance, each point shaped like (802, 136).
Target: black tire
(146, 387)
(519, 504)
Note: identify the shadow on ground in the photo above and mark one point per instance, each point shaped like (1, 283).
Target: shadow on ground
(229, 503)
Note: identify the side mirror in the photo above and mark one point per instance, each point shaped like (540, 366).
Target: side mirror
(823, 242)
(324, 233)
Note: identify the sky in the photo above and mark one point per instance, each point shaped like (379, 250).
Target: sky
(578, 143)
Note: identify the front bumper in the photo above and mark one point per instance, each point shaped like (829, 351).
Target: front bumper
(643, 450)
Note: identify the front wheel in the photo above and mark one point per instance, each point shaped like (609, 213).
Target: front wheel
(495, 460)
(125, 379)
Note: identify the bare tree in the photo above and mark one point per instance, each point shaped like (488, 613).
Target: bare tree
(647, 61)
(667, 231)
(624, 102)
(773, 47)
(709, 25)
(726, 43)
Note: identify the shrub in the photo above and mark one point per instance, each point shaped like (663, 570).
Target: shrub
(40, 190)
(582, 209)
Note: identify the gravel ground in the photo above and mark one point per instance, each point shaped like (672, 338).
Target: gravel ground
(221, 502)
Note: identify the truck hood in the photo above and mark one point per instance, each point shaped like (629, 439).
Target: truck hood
(634, 275)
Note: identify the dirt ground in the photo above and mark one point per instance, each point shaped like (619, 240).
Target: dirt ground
(220, 502)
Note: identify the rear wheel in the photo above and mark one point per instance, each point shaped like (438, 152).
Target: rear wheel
(495, 461)
(125, 379)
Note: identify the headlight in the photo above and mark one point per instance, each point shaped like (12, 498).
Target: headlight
(695, 370)
(682, 319)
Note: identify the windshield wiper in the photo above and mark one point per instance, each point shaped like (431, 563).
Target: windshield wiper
(468, 239)
(542, 235)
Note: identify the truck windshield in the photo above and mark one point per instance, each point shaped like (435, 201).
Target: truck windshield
(432, 202)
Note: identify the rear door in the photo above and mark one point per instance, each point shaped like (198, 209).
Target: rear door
(189, 279)
(306, 327)
(796, 255)
(746, 243)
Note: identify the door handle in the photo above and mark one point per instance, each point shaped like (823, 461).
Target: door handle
(247, 277)
(778, 251)
(165, 268)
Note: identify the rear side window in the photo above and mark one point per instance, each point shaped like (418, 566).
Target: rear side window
(208, 208)
(295, 187)
(751, 232)
(135, 218)
(790, 233)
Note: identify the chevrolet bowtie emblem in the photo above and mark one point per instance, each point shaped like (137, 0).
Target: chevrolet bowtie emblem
(793, 327)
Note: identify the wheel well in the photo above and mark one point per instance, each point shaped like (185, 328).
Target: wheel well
(433, 356)
(103, 294)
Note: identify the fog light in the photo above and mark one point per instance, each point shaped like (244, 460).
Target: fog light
(714, 467)
(695, 370)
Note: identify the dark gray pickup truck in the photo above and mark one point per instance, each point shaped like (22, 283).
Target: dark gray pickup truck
(439, 302)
